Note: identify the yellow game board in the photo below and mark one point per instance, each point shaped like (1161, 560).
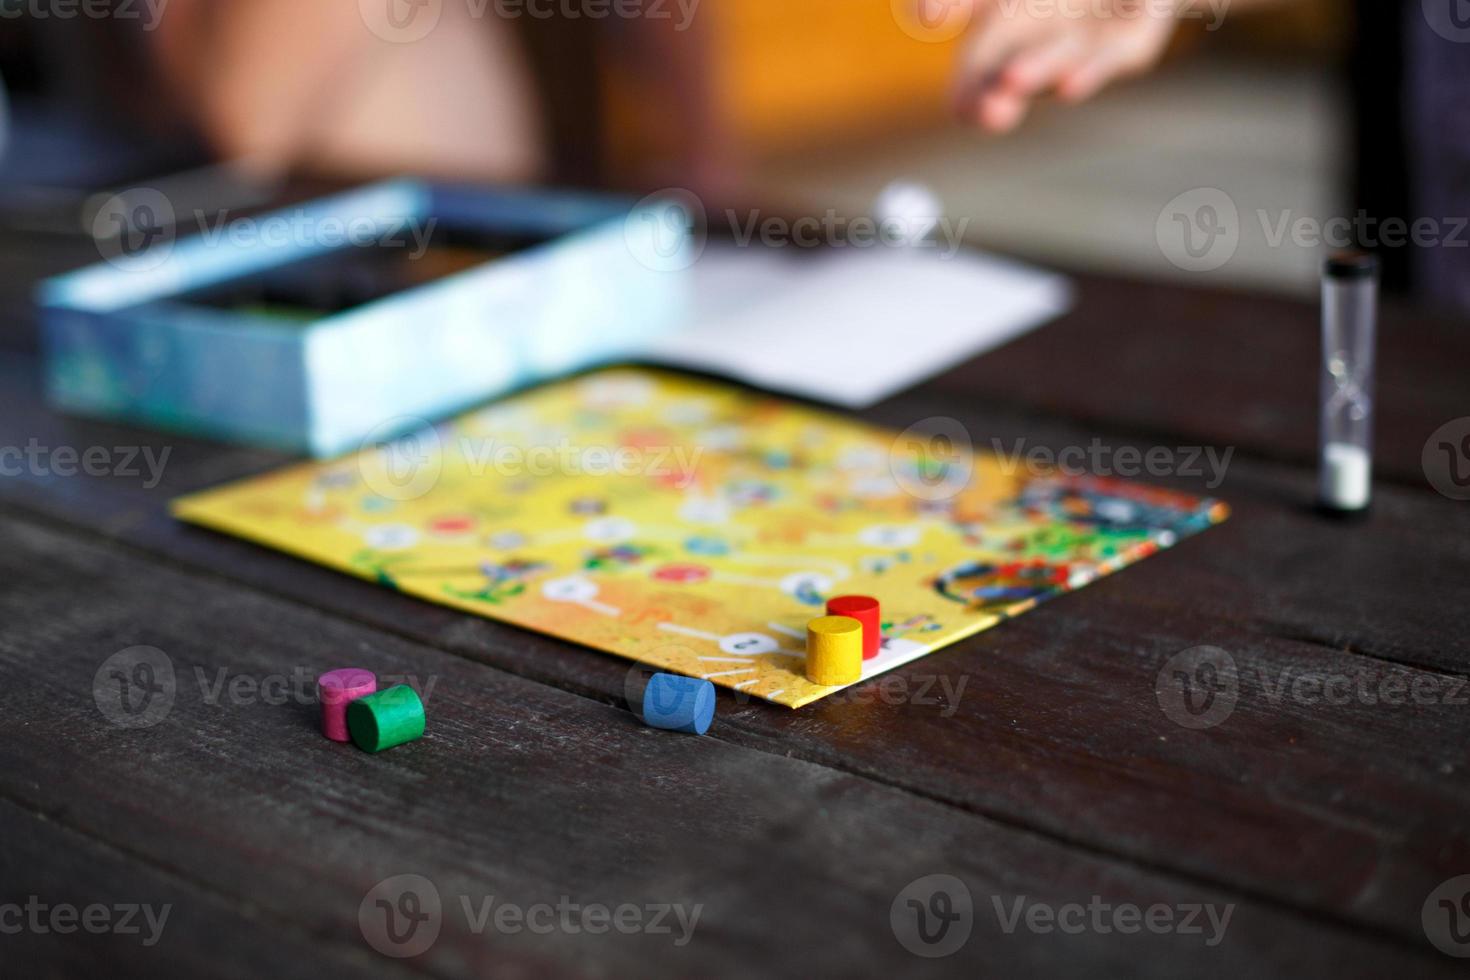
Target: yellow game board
(697, 527)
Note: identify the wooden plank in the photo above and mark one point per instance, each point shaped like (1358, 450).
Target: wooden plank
(1060, 697)
(155, 923)
(528, 793)
(1222, 367)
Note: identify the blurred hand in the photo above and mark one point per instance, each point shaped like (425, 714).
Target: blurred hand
(1018, 50)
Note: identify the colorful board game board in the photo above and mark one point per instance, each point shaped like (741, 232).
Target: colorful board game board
(697, 527)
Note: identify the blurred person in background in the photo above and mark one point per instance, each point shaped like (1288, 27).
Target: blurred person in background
(287, 86)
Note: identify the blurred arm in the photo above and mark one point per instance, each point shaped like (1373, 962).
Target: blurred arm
(287, 83)
(1017, 50)
(254, 73)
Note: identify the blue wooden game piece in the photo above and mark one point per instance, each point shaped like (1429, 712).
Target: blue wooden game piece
(679, 704)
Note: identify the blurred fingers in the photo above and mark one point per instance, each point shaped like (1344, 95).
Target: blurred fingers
(1038, 68)
(1000, 110)
(1102, 67)
(979, 92)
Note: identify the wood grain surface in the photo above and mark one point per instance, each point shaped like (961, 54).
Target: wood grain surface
(1040, 762)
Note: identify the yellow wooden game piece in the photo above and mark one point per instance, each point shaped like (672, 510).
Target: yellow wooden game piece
(834, 650)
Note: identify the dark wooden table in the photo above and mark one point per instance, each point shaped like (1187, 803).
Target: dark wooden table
(1323, 824)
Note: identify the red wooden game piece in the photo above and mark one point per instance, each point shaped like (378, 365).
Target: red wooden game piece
(864, 609)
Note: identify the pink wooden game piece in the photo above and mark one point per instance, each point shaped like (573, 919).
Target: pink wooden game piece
(335, 690)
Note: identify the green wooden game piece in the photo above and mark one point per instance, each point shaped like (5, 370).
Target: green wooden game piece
(385, 719)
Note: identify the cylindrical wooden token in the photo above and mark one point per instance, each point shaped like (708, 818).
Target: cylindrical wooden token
(335, 690)
(678, 703)
(834, 650)
(864, 609)
(385, 719)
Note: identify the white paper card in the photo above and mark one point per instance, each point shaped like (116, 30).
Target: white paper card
(852, 327)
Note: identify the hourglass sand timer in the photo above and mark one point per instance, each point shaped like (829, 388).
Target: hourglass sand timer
(1349, 339)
